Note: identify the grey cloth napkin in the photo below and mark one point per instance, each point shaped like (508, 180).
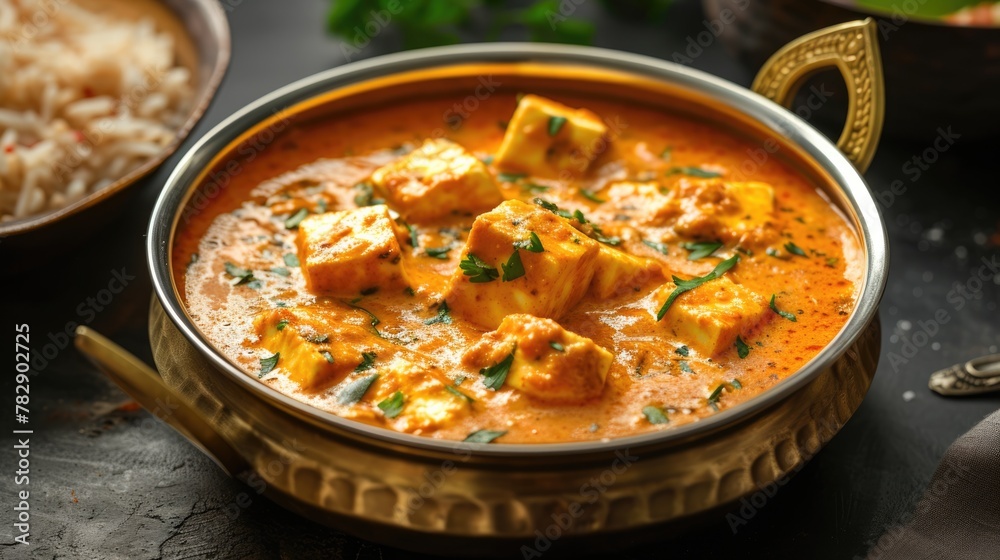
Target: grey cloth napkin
(958, 516)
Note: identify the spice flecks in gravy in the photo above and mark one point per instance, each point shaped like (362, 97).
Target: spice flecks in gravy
(380, 267)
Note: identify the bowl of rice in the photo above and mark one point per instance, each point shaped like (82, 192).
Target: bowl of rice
(94, 95)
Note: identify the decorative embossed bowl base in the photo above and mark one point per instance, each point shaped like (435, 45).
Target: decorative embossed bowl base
(497, 503)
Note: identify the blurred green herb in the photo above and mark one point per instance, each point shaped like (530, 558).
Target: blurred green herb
(427, 23)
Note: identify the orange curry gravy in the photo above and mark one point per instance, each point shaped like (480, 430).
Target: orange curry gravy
(806, 255)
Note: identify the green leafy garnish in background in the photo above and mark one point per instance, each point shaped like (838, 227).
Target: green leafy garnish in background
(428, 23)
(923, 8)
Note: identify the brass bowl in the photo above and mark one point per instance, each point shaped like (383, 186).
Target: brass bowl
(461, 498)
(203, 46)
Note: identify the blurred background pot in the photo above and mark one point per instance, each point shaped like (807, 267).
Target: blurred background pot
(933, 69)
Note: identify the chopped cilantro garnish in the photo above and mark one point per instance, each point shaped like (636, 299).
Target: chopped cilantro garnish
(241, 275)
(268, 364)
(367, 361)
(686, 285)
(295, 219)
(374, 319)
(511, 177)
(655, 415)
(355, 390)
(477, 270)
(790, 316)
(701, 249)
(795, 249)
(414, 235)
(714, 397)
(366, 195)
(612, 240)
(555, 124)
(534, 187)
(656, 245)
(741, 348)
(393, 405)
(458, 393)
(589, 195)
(496, 374)
(437, 252)
(443, 315)
(484, 436)
(694, 172)
(532, 243)
(513, 268)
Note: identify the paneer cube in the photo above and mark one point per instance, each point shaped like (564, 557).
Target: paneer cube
(427, 403)
(437, 179)
(554, 280)
(728, 211)
(349, 252)
(756, 205)
(549, 363)
(711, 316)
(617, 272)
(314, 352)
(642, 202)
(548, 139)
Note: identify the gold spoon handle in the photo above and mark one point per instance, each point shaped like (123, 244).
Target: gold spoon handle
(145, 385)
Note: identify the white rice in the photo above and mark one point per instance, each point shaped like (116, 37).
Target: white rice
(85, 98)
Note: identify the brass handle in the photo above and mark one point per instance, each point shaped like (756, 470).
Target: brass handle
(144, 385)
(853, 49)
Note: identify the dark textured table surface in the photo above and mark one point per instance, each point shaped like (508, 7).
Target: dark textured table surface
(107, 482)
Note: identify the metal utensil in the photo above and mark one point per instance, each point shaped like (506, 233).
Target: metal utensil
(975, 377)
(144, 384)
